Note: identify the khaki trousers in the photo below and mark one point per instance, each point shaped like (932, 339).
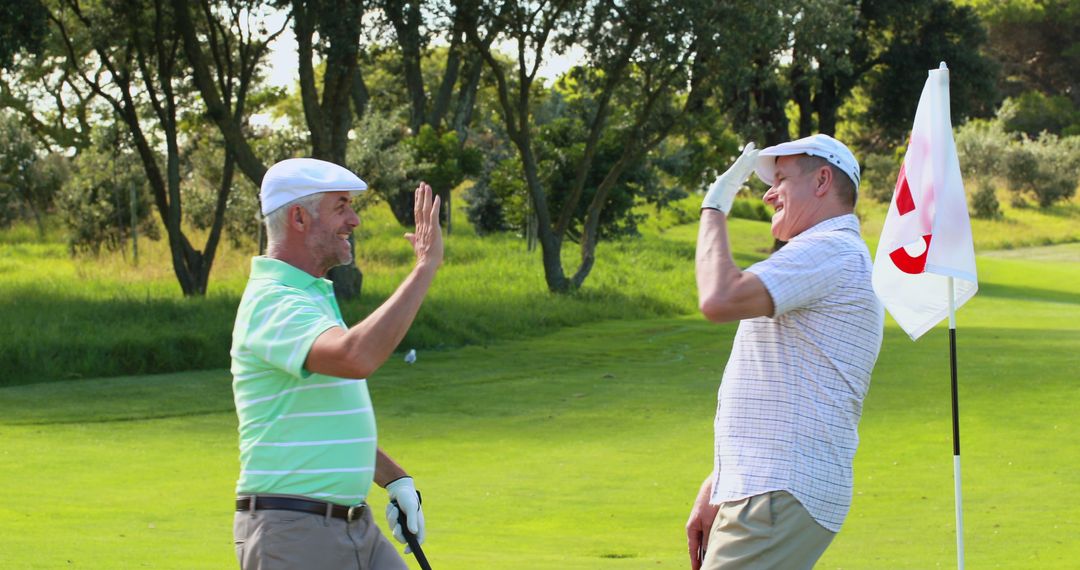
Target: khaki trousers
(289, 540)
(767, 531)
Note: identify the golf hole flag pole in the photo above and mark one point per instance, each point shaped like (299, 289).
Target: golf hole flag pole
(925, 264)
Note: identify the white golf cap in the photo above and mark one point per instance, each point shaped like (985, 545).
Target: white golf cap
(820, 145)
(298, 177)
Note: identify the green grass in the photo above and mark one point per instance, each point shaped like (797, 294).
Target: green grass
(582, 448)
(521, 445)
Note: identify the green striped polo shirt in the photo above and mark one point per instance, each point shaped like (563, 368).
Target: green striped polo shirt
(301, 433)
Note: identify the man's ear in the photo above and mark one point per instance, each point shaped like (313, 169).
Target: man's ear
(298, 217)
(823, 179)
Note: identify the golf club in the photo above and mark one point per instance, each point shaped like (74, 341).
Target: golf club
(410, 538)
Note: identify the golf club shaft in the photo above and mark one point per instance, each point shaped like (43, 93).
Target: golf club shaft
(410, 538)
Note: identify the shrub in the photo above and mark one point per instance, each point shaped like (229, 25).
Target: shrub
(982, 146)
(499, 201)
(748, 209)
(484, 209)
(96, 206)
(1047, 169)
(984, 203)
(879, 173)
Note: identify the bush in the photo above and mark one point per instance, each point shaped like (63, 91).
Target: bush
(29, 179)
(96, 206)
(748, 209)
(984, 204)
(879, 172)
(1047, 169)
(499, 201)
(484, 209)
(242, 219)
(982, 147)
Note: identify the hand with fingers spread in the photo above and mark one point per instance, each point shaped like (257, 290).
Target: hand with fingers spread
(700, 523)
(427, 238)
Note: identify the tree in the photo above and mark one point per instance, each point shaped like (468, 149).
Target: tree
(329, 29)
(659, 61)
(36, 84)
(1037, 44)
(23, 25)
(923, 36)
(817, 54)
(128, 55)
(442, 98)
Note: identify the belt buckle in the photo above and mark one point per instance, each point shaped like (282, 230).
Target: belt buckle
(357, 510)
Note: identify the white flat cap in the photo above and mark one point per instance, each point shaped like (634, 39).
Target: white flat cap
(820, 145)
(298, 177)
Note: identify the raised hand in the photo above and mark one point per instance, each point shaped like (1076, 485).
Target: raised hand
(427, 238)
(721, 194)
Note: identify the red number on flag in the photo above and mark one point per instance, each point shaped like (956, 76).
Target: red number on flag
(905, 204)
(907, 263)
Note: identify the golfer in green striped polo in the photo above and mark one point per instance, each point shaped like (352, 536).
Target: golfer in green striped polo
(308, 444)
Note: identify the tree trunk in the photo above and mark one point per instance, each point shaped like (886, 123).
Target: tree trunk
(800, 86)
(826, 103)
(348, 279)
(405, 16)
(235, 140)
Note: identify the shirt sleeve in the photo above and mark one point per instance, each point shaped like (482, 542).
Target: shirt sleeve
(284, 327)
(800, 274)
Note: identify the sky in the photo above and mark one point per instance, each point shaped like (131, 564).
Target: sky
(284, 68)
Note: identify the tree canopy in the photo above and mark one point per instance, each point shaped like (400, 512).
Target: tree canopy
(450, 91)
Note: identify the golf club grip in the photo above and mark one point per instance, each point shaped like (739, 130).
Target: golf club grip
(410, 538)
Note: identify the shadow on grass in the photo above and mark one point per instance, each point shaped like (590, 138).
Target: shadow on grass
(593, 373)
(1023, 293)
(50, 337)
(123, 399)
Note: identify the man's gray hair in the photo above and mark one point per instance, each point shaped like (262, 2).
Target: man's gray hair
(277, 221)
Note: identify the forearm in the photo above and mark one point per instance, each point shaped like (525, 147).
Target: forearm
(374, 339)
(725, 292)
(715, 267)
(386, 470)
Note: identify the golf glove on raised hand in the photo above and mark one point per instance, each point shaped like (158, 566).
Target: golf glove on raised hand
(404, 492)
(722, 192)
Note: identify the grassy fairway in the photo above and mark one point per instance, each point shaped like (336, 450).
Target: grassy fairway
(582, 449)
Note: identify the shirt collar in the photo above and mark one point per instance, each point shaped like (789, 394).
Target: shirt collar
(263, 267)
(848, 222)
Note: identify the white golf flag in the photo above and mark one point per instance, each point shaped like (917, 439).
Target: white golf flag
(927, 234)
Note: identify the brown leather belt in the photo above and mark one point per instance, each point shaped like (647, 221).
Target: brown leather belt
(300, 505)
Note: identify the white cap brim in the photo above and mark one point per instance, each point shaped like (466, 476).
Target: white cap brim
(824, 146)
(299, 177)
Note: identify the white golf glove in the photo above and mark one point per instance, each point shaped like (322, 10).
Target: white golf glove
(404, 492)
(722, 192)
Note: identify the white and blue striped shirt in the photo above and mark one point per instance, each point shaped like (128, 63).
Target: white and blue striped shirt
(789, 405)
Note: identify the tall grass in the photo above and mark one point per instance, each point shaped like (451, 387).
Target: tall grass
(65, 317)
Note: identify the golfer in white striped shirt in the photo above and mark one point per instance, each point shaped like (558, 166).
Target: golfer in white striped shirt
(789, 403)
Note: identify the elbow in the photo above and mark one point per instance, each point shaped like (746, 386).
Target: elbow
(362, 366)
(716, 309)
(355, 364)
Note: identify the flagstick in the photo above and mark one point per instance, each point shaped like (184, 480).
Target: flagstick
(956, 429)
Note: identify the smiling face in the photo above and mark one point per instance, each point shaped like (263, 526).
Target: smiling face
(328, 238)
(797, 196)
